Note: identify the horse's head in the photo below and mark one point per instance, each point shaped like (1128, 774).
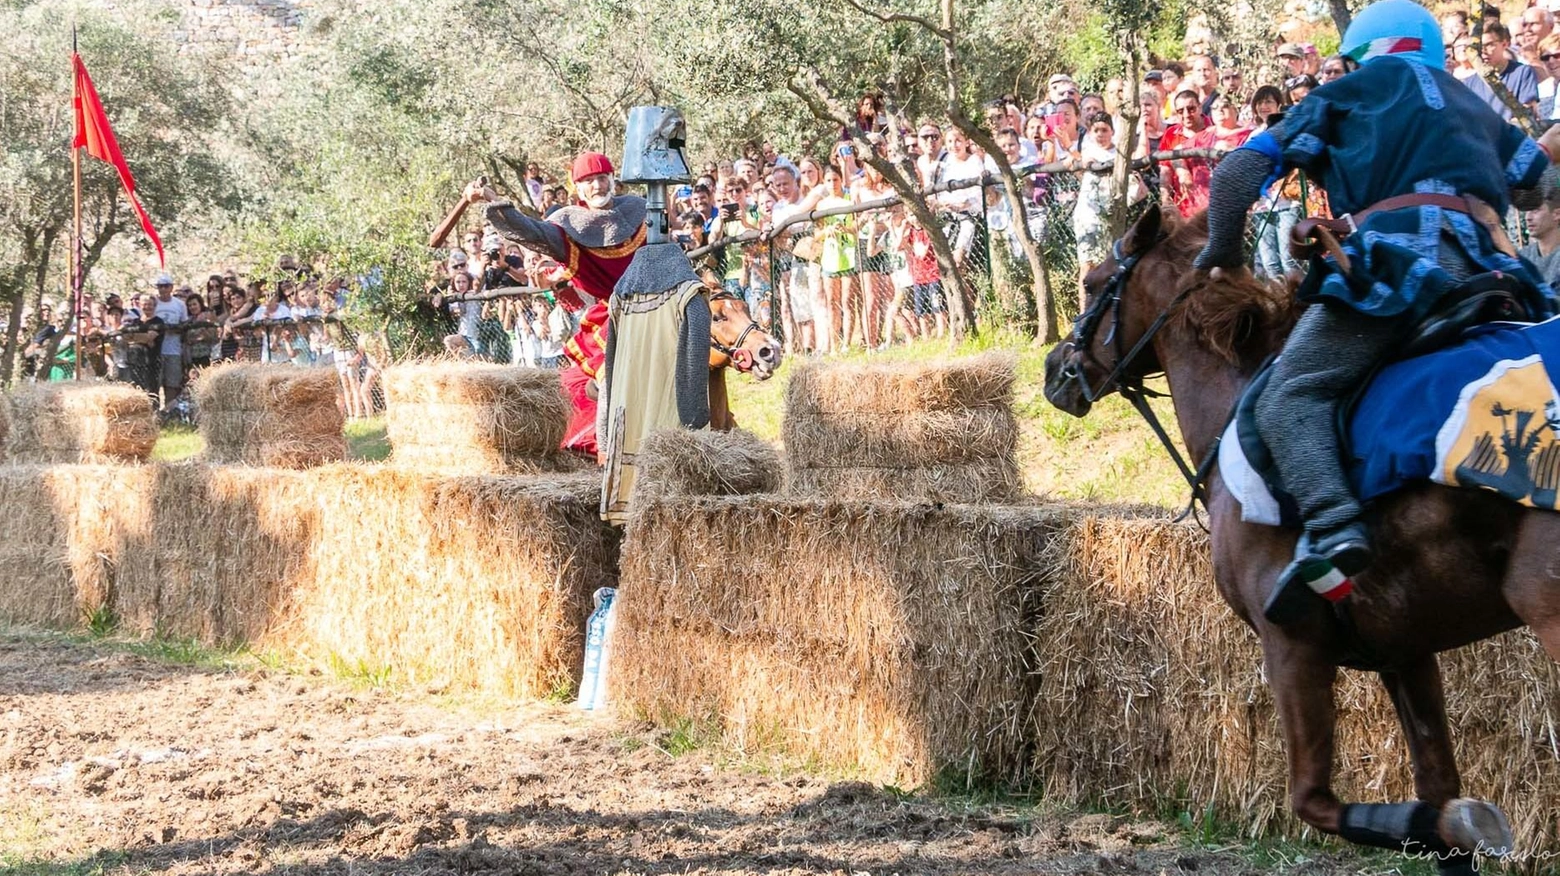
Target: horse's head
(1148, 285)
(737, 341)
(1094, 360)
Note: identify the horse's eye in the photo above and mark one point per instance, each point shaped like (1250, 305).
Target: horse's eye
(720, 317)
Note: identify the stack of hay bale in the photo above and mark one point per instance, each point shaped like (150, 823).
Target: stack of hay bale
(68, 422)
(684, 462)
(937, 432)
(889, 638)
(475, 418)
(270, 415)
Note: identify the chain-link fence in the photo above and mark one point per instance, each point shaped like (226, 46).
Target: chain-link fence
(866, 273)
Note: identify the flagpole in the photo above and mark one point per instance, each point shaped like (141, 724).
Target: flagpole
(75, 240)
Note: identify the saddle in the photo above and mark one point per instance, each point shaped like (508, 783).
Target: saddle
(1246, 461)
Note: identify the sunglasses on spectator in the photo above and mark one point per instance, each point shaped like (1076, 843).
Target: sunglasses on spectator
(1229, 77)
(1184, 110)
(1549, 56)
(930, 135)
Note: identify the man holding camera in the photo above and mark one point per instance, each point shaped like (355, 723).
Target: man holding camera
(500, 269)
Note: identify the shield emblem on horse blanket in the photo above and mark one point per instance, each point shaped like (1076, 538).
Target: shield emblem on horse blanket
(1481, 414)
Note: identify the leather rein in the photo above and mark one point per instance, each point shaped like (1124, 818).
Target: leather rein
(1131, 386)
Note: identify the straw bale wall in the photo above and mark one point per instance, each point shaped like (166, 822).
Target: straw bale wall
(942, 432)
(465, 582)
(70, 422)
(464, 417)
(888, 637)
(270, 415)
(1075, 649)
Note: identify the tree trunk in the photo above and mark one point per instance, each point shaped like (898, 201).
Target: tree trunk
(1033, 321)
(13, 333)
(1341, 15)
(825, 108)
(1121, 173)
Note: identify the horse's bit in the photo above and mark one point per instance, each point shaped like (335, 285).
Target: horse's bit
(741, 359)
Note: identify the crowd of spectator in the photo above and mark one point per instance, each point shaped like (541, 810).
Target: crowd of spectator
(160, 339)
(863, 275)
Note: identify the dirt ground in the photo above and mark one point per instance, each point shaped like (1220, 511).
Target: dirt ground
(111, 762)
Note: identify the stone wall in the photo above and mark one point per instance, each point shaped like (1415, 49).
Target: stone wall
(255, 33)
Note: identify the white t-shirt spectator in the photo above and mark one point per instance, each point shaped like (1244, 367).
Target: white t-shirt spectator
(970, 168)
(172, 312)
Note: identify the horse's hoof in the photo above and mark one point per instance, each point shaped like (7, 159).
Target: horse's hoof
(1476, 826)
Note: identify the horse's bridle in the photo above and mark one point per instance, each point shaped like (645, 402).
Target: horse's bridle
(1131, 386)
(744, 361)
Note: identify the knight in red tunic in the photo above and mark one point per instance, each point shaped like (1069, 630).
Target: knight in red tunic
(593, 241)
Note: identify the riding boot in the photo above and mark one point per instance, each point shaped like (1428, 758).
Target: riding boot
(1331, 352)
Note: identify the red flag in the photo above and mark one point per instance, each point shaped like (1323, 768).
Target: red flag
(93, 132)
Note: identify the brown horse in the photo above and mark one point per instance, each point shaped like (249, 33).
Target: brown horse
(1453, 566)
(736, 341)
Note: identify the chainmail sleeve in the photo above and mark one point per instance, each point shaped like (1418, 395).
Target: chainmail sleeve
(1533, 198)
(604, 386)
(1235, 185)
(693, 365)
(536, 234)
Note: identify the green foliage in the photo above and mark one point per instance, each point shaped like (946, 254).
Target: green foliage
(102, 622)
(367, 441)
(177, 443)
(169, 118)
(360, 672)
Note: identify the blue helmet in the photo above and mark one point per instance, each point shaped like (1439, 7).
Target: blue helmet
(1395, 27)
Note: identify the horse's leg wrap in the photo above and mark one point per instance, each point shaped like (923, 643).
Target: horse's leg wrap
(1331, 350)
(1403, 827)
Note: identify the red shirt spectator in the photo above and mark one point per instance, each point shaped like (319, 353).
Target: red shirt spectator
(1186, 179)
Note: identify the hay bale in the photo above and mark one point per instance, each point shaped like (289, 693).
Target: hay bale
(270, 415)
(940, 432)
(886, 638)
(1152, 694)
(682, 462)
(476, 418)
(985, 380)
(983, 481)
(36, 559)
(478, 583)
(69, 422)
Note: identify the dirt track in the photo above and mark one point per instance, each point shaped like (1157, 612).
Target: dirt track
(110, 762)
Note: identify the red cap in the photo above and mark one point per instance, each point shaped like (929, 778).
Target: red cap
(590, 164)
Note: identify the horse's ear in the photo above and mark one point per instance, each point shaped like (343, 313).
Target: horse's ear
(1143, 232)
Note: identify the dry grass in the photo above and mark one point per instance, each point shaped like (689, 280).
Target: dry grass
(465, 582)
(937, 431)
(888, 637)
(68, 422)
(974, 482)
(476, 418)
(682, 462)
(270, 415)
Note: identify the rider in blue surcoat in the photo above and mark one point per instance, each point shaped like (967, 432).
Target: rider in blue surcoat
(1400, 146)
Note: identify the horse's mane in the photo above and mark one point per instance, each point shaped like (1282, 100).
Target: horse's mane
(1237, 316)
